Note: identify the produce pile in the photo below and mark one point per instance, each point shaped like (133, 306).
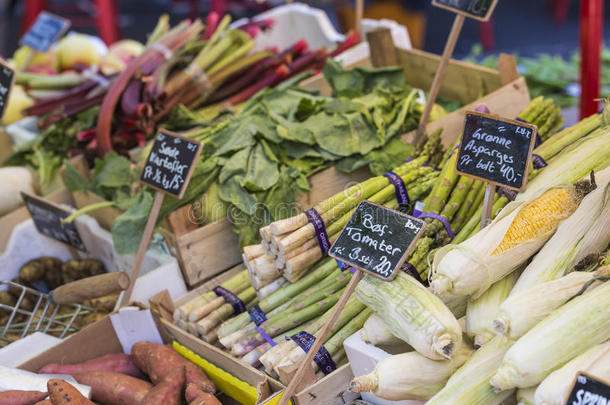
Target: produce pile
(120, 104)
(45, 274)
(517, 308)
(154, 374)
(255, 162)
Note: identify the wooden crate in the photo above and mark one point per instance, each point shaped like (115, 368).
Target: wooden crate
(207, 251)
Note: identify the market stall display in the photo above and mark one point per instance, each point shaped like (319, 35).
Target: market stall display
(491, 296)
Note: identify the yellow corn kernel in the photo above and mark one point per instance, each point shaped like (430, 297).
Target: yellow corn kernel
(539, 217)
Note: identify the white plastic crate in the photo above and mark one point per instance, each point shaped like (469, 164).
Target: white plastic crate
(363, 357)
(159, 269)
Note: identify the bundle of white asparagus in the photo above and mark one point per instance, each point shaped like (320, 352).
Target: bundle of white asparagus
(290, 246)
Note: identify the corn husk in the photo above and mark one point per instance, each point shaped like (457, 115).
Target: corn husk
(525, 396)
(413, 314)
(410, 375)
(470, 268)
(573, 163)
(482, 311)
(585, 232)
(522, 311)
(555, 389)
(563, 335)
(470, 383)
(376, 332)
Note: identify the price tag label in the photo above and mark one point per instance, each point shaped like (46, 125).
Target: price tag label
(170, 163)
(48, 220)
(588, 390)
(47, 29)
(7, 76)
(478, 9)
(377, 240)
(496, 150)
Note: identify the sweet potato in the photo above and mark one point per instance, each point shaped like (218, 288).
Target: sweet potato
(117, 362)
(168, 391)
(63, 393)
(44, 402)
(112, 388)
(16, 397)
(157, 361)
(194, 396)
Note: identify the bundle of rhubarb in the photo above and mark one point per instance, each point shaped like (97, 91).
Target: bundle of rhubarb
(296, 311)
(191, 65)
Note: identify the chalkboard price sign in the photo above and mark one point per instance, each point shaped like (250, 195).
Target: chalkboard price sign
(6, 83)
(170, 163)
(47, 218)
(45, 31)
(496, 150)
(588, 390)
(478, 9)
(377, 240)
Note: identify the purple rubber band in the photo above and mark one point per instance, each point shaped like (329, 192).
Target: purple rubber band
(440, 218)
(322, 358)
(342, 266)
(257, 315)
(418, 209)
(412, 271)
(314, 218)
(265, 336)
(236, 303)
(402, 195)
(538, 161)
(510, 194)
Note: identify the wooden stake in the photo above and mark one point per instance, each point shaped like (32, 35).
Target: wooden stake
(381, 45)
(290, 390)
(488, 204)
(359, 14)
(148, 231)
(438, 78)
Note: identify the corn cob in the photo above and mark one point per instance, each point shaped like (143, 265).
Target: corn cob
(376, 332)
(554, 390)
(413, 314)
(523, 310)
(470, 383)
(409, 376)
(517, 233)
(563, 335)
(482, 311)
(584, 233)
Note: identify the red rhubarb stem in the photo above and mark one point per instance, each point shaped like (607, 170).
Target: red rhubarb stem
(353, 37)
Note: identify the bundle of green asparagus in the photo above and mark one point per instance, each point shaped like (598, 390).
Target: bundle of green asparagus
(203, 314)
(456, 199)
(290, 246)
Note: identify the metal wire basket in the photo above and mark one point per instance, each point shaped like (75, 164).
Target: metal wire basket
(34, 311)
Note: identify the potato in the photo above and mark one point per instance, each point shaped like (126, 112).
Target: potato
(78, 269)
(7, 298)
(36, 269)
(103, 304)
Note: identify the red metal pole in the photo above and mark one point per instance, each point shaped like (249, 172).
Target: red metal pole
(591, 12)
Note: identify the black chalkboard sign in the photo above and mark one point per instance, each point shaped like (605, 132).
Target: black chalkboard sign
(478, 9)
(47, 218)
(496, 150)
(588, 390)
(377, 240)
(45, 31)
(170, 163)
(6, 83)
